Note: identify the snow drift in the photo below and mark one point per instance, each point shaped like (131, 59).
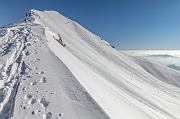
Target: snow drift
(52, 67)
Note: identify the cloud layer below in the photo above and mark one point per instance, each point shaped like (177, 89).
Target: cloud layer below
(170, 58)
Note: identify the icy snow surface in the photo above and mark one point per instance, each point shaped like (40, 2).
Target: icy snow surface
(52, 68)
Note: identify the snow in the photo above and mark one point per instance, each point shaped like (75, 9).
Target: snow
(85, 78)
(169, 58)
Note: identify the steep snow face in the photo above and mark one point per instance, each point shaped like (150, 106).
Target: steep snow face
(122, 86)
(54, 64)
(34, 83)
(162, 73)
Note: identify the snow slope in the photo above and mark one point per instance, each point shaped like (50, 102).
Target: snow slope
(52, 67)
(169, 58)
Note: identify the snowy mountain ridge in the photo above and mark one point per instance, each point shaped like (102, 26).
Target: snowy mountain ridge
(52, 67)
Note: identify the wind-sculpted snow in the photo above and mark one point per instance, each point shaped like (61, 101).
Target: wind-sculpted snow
(34, 83)
(81, 76)
(162, 73)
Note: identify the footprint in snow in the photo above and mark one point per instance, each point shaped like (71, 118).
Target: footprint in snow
(27, 53)
(30, 61)
(29, 96)
(37, 59)
(34, 112)
(61, 114)
(43, 79)
(49, 115)
(33, 101)
(34, 83)
(53, 93)
(25, 88)
(41, 72)
(44, 102)
(28, 44)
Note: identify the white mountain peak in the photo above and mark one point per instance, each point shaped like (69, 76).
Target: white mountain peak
(52, 67)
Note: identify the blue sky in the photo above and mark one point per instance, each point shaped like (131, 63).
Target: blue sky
(126, 24)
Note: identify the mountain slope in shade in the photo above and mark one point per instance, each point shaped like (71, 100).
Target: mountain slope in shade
(52, 67)
(173, 66)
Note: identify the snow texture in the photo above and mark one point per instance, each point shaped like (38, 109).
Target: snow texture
(51, 67)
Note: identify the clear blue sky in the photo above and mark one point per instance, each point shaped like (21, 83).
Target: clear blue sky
(126, 24)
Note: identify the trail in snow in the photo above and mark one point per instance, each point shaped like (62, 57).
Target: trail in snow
(35, 83)
(13, 44)
(51, 67)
